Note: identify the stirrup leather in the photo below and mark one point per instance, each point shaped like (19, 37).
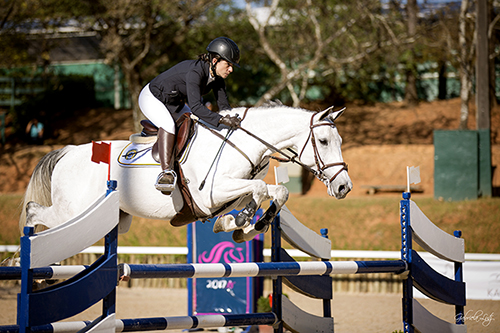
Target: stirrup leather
(166, 181)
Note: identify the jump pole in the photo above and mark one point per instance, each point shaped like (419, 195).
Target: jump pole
(270, 269)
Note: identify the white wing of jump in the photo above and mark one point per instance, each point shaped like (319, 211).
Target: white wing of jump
(303, 238)
(433, 239)
(297, 320)
(61, 242)
(106, 325)
(425, 322)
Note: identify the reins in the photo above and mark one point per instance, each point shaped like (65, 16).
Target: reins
(255, 169)
(276, 150)
(286, 158)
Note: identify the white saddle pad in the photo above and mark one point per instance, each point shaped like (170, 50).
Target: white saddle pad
(138, 154)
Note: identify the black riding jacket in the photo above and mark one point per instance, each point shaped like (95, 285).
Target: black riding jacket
(187, 82)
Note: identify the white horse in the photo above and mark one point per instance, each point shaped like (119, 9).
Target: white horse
(66, 182)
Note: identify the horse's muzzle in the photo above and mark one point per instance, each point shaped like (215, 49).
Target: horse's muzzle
(340, 185)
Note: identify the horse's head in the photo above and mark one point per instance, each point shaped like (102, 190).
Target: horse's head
(323, 153)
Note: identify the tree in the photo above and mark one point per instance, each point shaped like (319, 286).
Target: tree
(466, 39)
(494, 39)
(296, 64)
(411, 96)
(336, 45)
(22, 20)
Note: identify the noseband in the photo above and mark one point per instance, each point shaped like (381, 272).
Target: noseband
(317, 158)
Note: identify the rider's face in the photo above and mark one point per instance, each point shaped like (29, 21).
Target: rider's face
(223, 68)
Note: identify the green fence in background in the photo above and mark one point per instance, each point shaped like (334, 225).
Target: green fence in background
(462, 164)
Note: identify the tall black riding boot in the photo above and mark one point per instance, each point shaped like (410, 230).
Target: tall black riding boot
(167, 178)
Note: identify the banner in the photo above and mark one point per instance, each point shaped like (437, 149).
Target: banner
(224, 295)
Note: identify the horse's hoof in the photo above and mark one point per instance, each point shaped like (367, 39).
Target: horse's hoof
(241, 219)
(225, 223)
(218, 227)
(264, 229)
(239, 236)
(267, 218)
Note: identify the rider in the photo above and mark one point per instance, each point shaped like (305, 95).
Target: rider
(179, 90)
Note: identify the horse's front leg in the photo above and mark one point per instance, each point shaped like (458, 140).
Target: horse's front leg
(246, 232)
(279, 194)
(228, 189)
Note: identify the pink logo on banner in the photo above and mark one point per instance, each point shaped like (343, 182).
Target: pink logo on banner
(223, 249)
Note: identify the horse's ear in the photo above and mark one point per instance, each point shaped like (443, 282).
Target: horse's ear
(333, 115)
(336, 114)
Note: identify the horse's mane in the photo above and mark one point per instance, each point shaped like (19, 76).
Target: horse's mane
(276, 103)
(272, 103)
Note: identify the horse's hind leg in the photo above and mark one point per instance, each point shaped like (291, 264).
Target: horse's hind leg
(38, 215)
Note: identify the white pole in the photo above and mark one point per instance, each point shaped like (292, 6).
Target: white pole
(408, 178)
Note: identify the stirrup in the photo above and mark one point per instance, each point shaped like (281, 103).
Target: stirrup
(166, 181)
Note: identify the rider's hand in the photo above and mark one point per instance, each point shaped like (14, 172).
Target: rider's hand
(232, 122)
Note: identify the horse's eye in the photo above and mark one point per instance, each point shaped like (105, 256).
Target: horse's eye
(323, 142)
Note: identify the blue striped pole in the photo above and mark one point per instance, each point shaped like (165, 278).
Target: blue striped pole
(159, 323)
(150, 271)
(51, 272)
(145, 271)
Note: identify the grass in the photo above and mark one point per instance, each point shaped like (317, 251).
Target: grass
(372, 223)
(9, 217)
(355, 223)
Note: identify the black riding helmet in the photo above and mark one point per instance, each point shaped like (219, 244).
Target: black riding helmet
(226, 49)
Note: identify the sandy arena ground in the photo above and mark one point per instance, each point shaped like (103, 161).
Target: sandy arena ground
(352, 312)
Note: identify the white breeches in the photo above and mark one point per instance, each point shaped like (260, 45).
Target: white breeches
(156, 111)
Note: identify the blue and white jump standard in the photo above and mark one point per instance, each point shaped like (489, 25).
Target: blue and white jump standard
(415, 226)
(40, 311)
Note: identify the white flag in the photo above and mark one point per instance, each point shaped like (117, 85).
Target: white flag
(414, 175)
(281, 174)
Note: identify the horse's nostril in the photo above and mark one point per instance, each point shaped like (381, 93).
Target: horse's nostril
(341, 188)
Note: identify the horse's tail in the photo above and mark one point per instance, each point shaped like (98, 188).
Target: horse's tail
(40, 184)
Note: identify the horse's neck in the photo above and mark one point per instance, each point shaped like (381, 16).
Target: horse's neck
(282, 127)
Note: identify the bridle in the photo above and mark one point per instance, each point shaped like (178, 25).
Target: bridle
(317, 157)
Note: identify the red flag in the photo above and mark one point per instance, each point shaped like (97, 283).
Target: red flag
(101, 152)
